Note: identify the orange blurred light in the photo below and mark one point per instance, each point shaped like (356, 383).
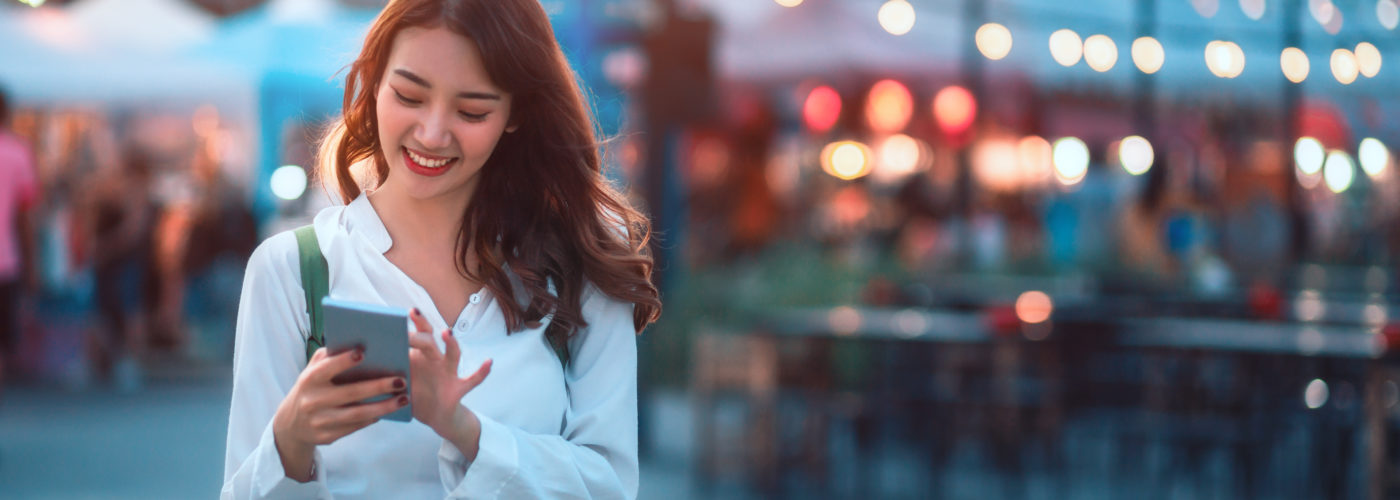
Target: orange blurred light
(821, 109)
(955, 109)
(889, 106)
(1034, 307)
(846, 160)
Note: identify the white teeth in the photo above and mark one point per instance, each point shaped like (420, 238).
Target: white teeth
(426, 162)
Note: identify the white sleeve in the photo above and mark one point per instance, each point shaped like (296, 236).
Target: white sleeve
(269, 353)
(596, 454)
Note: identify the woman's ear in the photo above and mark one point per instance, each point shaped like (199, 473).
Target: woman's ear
(510, 127)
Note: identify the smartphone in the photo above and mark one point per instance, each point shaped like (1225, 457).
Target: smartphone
(381, 332)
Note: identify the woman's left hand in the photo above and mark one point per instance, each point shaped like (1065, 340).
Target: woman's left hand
(436, 390)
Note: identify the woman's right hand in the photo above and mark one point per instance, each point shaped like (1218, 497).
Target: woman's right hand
(317, 412)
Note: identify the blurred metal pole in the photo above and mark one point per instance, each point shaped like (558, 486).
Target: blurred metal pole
(974, 14)
(1292, 96)
(1145, 110)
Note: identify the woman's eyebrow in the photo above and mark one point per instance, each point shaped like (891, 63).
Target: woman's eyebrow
(464, 95)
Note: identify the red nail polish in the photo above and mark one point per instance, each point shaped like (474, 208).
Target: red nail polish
(357, 355)
(398, 383)
(403, 400)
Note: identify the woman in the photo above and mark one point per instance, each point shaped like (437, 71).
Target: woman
(488, 216)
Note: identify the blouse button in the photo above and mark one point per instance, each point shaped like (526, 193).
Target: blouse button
(476, 297)
(462, 325)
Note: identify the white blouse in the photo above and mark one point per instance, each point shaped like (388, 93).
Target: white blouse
(546, 431)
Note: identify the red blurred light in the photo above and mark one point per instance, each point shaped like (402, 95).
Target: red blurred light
(889, 106)
(955, 109)
(821, 109)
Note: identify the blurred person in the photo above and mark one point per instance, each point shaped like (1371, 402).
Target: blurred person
(488, 216)
(122, 216)
(18, 271)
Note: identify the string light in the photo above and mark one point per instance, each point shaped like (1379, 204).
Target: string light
(896, 17)
(1368, 59)
(1295, 64)
(1066, 47)
(1344, 66)
(993, 40)
(1148, 55)
(1100, 53)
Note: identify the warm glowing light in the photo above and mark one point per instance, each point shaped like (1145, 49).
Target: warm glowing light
(1322, 11)
(889, 106)
(1034, 307)
(1374, 156)
(1388, 13)
(1295, 64)
(1224, 59)
(995, 164)
(1100, 53)
(899, 156)
(789, 3)
(1037, 160)
(1334, 23)
(994, 41)
(1071, 159)
(1339, 171)
(896, 17)
(846, 159)
(1316, 394)
(1148, 54)
(1066, 47)
(1135, 153)
(954, 109)
(33, 3)
(1206, 8)
(1308, 154)
(1253, 9)
(288, 182)
(1344, 66)
(821, 109)
(844, 320)
(1368, 59)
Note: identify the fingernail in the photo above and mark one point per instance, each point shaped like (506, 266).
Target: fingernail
(398, 383)
(403, 400)
(358, 355)
(416, 312)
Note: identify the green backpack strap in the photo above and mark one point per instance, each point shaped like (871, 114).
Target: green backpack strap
(315, 282)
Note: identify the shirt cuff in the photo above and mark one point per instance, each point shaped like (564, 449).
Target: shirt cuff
(496, 463)
(270, 479)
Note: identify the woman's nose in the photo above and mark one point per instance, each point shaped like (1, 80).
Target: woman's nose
(432, 132)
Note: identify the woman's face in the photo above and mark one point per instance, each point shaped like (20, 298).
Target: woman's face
(439, 114)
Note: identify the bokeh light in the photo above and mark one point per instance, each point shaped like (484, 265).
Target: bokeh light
(1339, 171)
(1374, 156)
(954, 109)
(288, 182)
(1071, 159)
(1368, 59)
(896, 17)
(1037, 159)
(1100, 53)
(1308, 154)
(1388, 13)
(846, 160)
(1253, 9)
(1148, 55)
(1066, 47)
(821, 109)
(889, 106)
(1135, 153)
(994, 41)
(1344, 66)
(899, 156)
(789, 3)
(1034, 307)
(1224, 59)
(1316, 394)
(1206, 8)
(996, 164)
(1295, 64)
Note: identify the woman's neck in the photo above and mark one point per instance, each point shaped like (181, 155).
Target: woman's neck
(419, 224)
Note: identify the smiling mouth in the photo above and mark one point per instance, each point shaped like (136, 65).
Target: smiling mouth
(428, 162)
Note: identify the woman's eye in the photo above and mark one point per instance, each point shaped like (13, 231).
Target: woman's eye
(473, 117)
(406, 100)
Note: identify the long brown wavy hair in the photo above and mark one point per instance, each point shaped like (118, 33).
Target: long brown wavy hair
(542, 206)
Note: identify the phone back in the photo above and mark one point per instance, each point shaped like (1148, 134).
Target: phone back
(382, 332)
